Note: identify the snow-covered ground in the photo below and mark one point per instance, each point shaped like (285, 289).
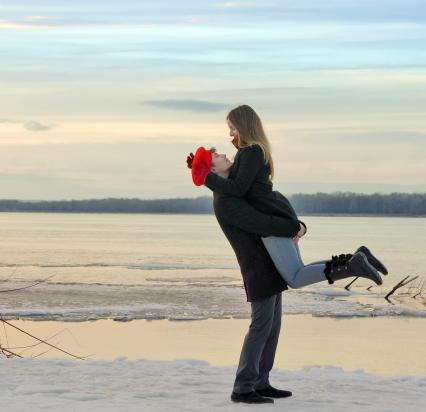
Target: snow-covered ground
(192, 385)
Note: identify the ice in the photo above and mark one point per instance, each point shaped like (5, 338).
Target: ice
(181, 301)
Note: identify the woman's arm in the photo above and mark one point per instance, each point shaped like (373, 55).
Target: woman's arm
(250, 161)
(238, 212)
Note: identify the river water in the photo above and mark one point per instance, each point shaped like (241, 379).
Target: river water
(181, 267)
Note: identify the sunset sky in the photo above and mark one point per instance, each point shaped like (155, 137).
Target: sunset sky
(104, 98)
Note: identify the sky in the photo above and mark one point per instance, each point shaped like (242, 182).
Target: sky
(105, 99)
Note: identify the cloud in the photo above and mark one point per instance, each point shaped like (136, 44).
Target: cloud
(239, 4)
(23, 25)
(38, 17)
(32, 14)
(188, 104)
(37, 127)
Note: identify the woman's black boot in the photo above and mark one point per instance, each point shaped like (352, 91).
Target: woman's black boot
(373, 260)
(347, 265)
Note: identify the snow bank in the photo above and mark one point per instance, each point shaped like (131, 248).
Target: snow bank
(192, 385)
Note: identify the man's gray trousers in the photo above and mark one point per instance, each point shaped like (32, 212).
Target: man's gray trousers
(260, 344)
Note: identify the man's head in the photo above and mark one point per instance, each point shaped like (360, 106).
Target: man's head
(206, 161)
(220, 163)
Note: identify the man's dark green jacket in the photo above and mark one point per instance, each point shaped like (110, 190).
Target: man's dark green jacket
(246, 208)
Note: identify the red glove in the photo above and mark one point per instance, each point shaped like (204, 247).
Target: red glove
(189, 160)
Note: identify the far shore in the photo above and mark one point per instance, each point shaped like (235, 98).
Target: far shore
(317, 204)
(201, 213)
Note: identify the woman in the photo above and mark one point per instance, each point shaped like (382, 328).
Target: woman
(241, 192)
(250, 179)
(284, 251)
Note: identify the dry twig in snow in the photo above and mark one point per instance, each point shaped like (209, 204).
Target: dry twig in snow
(400, 284)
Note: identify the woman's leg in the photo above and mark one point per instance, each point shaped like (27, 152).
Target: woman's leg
(262, 321)
(288, 262)
(298, 252)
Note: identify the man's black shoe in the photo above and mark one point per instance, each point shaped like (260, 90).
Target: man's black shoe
(250, 397)
(274, 393)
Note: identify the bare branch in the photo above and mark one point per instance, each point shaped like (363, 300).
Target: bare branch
(36, 344)
(350, 283)
(10, 353)
(29, 286)
(420, 293)
(400, 284)
(41, 340)
(42, 353)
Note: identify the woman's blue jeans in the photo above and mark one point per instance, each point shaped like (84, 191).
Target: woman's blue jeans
(286, 257)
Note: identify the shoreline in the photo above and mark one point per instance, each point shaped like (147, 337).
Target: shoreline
(382, 346)
(57, 212)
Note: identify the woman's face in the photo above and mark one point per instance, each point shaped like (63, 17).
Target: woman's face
(233, 132)
(220, 163)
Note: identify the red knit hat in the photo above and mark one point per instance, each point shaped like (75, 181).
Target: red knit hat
(201, 165)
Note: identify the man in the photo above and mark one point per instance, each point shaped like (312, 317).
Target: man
(243, 225)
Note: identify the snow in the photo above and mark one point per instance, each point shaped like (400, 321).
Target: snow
(333, 292)
(192, 385)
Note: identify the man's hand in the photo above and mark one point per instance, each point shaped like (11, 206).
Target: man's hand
(302, 230)
(301, 233)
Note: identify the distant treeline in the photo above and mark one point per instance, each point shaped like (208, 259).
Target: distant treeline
(403, 204)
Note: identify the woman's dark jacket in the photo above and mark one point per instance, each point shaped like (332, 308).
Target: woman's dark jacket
(246, 208)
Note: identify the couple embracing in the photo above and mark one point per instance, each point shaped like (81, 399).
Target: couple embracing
(264, 231)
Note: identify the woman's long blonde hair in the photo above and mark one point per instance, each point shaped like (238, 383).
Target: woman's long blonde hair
(250, 130)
